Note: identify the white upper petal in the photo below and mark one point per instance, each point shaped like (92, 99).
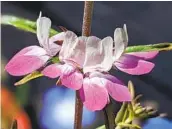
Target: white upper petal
(99, 54)
(121, 41)
(73, 48)
(43, 28)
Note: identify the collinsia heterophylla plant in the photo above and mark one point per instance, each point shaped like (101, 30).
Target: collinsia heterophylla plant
(84, 63)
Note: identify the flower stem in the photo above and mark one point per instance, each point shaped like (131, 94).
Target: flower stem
(78, 112)
(86, 30)
(109, 116)
(88, 10)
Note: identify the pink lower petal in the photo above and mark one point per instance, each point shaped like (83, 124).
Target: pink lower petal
(106, 76)
(53, 71)
(145, 55)
(114, 86)
(133, 65)
(26, 61)
(118, 92)
(23, 65)
(96, 95)
(73, 81)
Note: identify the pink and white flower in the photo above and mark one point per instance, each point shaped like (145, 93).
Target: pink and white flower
(94, 56)
(33, 57)
(98, 84)
(133, 63)
(71, 56)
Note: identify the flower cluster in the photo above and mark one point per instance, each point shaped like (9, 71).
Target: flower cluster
(84, 63)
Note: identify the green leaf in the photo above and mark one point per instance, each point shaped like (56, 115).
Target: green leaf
(101, 127)
(22, 24)
(121, 113)
(150, 47)
(124, 125)
(29, 77)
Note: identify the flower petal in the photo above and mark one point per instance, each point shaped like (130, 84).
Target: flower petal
(26, 61)
(54, 47)
(53, 70)
(145, 55)
(95, 94)
(133, 65)
(118, 91)
(73, 48)
(98, 54)
(43, 28)
(73, 81)
(121, 41)
(67, 69)
(115, 87)
(69, 39)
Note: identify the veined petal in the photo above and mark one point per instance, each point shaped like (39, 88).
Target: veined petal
(73, 48)
(145, 55)
(106, 76)
(115, 87)
(117, 91)
(67, 69)
(69, 39)
(77, 52)
(54, 47)
(98, 54)
(53, 70)
(73, 80)
(133, 65)
(43, 28)
(121, 41)
(57, 37)
(95, 94)
(26, 61)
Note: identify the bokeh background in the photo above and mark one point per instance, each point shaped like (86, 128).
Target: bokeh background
(52, 107)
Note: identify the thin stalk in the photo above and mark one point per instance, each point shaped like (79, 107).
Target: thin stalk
(86, 30)
(109, 116)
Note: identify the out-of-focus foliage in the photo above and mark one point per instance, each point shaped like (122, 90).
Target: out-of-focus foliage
(22, 24)
(131, 111)
(3, 72)
(12, 111)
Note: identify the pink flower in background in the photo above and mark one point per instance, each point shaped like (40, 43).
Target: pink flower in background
(98, 84)
(133, 63)
(72, 55)
(32, 58)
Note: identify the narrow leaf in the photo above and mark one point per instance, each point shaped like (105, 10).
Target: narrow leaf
(129, 125)
(101, 127)
(121, 112)
(29, 77)
(131, 89)
(22, 24)
(150, 47)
